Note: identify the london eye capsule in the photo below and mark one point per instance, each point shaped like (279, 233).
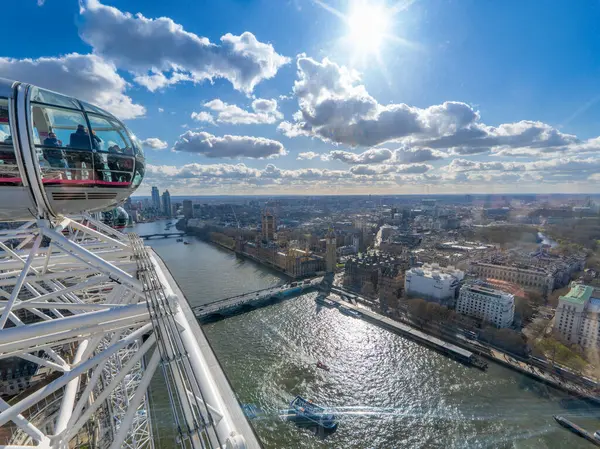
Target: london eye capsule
(60, 155)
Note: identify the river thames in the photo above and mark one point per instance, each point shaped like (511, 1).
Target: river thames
(387, 391)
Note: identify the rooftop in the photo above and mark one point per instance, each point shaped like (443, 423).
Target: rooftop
(486, 289)
(579, 294)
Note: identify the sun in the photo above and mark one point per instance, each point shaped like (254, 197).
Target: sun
(368, 26)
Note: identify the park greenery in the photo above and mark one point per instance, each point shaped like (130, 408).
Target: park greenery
(576, 234)
(506, 236)
(558, 352)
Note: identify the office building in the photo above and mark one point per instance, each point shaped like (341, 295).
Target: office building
(576, 320)
(156, 198)
(188, 211)
(391, 286)
(330, 252)
(433, 283)
(486, 303)
(301, 263)
(166, 204)
(529, 277)
(362, 273)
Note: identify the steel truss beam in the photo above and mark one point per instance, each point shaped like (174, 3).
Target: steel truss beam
(91, 311)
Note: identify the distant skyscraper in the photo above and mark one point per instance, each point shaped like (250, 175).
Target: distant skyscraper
(330, 252)
(188, 212)
(155, 198)
(269, 224)
(166, 203)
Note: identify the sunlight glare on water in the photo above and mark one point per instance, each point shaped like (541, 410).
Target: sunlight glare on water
(387, 391)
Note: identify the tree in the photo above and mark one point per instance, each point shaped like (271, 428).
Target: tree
(535, 298)
(524, 309)
(506, 339)
(538, 327)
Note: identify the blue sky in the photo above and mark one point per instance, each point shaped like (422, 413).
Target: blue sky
(321, 97)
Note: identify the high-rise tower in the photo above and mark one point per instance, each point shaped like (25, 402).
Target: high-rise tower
(156, 198)
(330, 252)
(166, 203)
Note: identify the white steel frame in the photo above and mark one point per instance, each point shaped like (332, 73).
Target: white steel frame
(92, 308)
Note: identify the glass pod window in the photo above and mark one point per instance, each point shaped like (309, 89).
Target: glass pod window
(63, 145)
(9, 170)
(114, 151)
(73, 149)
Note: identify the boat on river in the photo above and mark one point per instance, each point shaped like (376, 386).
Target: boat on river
(322, 366)
(577, 430)
(349, 312)
(307, 412)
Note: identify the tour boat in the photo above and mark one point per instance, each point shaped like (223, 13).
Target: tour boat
(308, 412)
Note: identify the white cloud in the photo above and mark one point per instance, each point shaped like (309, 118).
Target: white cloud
(594, 177)
(156, 48)
(415, 155)
(203, 116)
(335, 107)
(154, 143)
(400, 156)
(372, 169)
(264, 112)
(371, 156)
(228, 146)
(562, 169)
(380, 169)
(308, 155)
(240, 173)
(87, 77)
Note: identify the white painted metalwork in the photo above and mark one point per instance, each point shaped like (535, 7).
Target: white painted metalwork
(90, 308)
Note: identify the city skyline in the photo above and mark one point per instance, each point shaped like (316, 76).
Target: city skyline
(333, 97)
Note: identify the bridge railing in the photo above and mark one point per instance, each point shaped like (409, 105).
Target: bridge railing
(221, 301)
(163, 234)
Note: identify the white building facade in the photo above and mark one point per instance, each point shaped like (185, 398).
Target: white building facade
(432, 282)
(488, 304)
(576, 320)
(530, 278)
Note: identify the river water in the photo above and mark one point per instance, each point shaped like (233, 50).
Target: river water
(388, 391)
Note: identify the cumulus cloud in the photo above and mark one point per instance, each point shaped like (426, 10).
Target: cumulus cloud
(308, 155)
(401, 156)
(334, 106)
(87, 77)
(240, 173)
(561, 169)
(380, 169)
(228, 146)
(203, 116)
(372, 169)
(160, 52)
(154, 143)
(264, 111)
(371, 156)
(415, 155)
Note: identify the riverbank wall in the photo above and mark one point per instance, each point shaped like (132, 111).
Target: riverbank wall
(205, 235)
(495, 355)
